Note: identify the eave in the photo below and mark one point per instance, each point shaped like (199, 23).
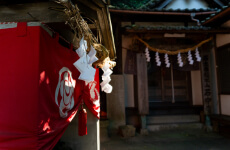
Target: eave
(166, 12)
(187, 30)
(158, 16)
(218, 18)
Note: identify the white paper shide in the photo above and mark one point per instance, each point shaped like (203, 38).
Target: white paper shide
(147, 54)
(87, 72)
(105, 86)
(84, 63)
(179, 60)
(167, 61)
(190, 58)
(157, 57)
(197, 54)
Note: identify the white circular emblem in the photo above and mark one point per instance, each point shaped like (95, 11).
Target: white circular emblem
(64, 95)
(94, 94)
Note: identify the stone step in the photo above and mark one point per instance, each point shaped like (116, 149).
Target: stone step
(178, 126)
(173, 111)
(172, 119)
(177, 108)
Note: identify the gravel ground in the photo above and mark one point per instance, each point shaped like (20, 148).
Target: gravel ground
(194, 139)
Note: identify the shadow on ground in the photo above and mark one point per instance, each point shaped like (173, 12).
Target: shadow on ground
(194, 139)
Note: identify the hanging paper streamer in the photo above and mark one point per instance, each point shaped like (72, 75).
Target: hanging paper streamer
(197, 54)
(92, 55)
(84, 63)
(190, 58)
(105, 86)
(179, 60)
(147, 54)
(158, 61)
(167, 61)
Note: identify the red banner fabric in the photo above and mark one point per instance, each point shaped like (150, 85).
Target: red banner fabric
(40, 90)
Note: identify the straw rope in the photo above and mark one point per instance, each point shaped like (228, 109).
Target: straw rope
(173, 52)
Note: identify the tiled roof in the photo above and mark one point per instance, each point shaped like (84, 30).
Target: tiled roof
(153, 5)
(215, 14)
(133, 4)
(171, 10)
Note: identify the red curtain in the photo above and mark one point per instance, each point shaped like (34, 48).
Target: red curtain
(40, 90)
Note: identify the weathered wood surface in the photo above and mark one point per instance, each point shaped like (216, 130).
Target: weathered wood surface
(29, 12)
(51, 12)
(129, 90)
(116, 102)
(191, 31)
(105, 26)
(142, 85)
(118, 42)
(47, 12)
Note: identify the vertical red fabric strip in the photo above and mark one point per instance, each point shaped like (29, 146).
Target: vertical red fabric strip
(82, 122)
(21, 29)
(19, 89)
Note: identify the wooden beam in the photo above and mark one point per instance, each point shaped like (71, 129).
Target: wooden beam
(159, 12)
(109, 39)
(118, 43)
(30, 12)
(219, 18)
(112, 36)
(51, 12)
(104, 25)
(213, 31)
(154, 18)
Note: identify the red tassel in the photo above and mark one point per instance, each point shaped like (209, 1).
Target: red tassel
(82, 122)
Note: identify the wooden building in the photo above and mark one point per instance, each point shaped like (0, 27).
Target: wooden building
(152, 97)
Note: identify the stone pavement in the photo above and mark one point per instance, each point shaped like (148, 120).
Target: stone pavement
(189, 139)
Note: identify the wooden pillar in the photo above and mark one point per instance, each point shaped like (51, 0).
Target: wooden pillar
(116, 104)
(206, 85)
(142, 85)
(118, 44)
(214, 79)
(142, 91)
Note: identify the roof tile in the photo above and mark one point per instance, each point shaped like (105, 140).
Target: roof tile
(217, 12)
(150, 5)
